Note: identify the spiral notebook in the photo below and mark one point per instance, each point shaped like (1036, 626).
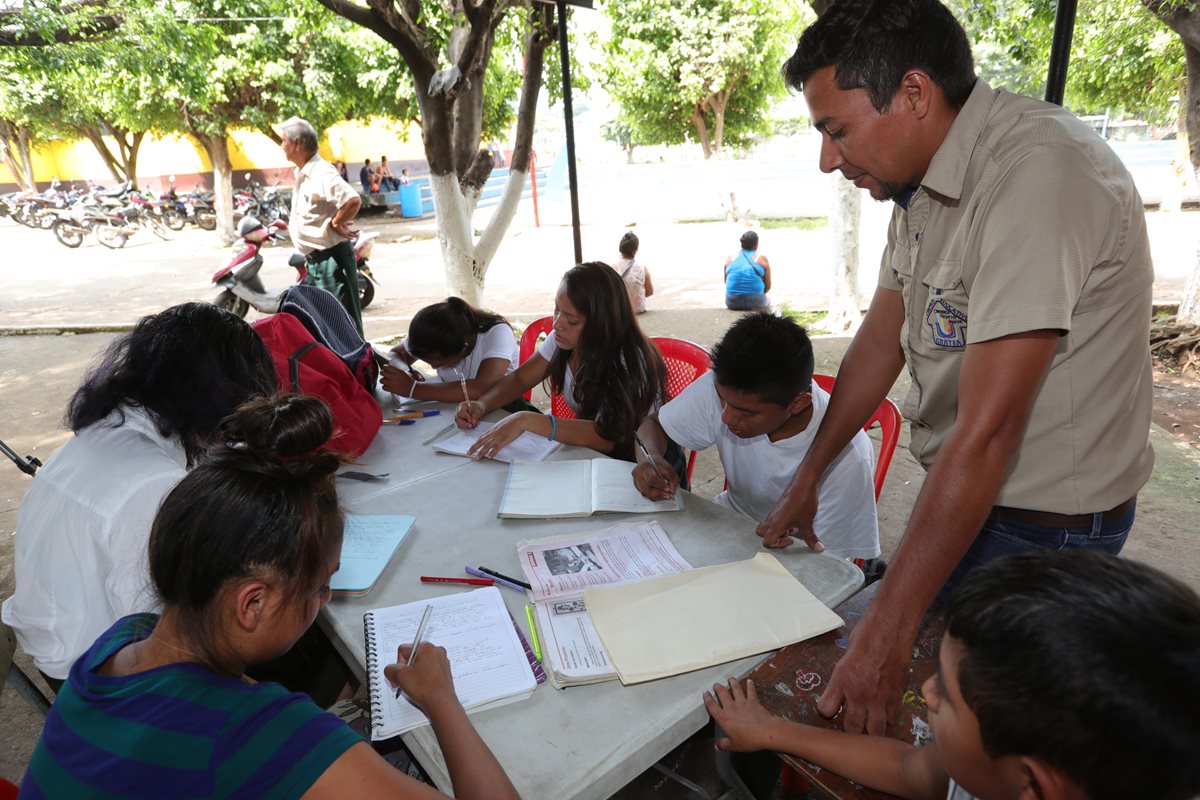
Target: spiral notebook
(487, 659)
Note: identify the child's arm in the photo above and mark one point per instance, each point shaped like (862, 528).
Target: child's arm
(878, 762)
(645, 476)
(649, 285)
(491, 371)
(503, 392)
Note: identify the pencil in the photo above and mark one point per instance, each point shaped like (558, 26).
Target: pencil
(412, 654)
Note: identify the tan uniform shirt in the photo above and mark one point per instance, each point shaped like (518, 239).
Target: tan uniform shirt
(1026, 220)
(319, 193)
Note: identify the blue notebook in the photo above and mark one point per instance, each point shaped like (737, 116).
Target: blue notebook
(367, 547)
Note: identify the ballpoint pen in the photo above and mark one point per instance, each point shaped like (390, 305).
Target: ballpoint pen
(491, 573)
(412, 654)
(507, 583)
(642, 446)
(413, 415)
(462, 381)
(469, 581)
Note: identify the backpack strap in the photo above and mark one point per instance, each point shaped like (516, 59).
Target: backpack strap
(294, 365)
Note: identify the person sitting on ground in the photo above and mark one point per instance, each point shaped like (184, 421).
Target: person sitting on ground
(404, 179)
(368, 178)
(387, 180)
(747, 277)
(759, 406)
(160, 706)
(1062, 674)
(141, 418)
(636, 276)
(596, 357)
(458, 340)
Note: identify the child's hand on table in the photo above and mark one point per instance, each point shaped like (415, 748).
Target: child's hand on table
(503, 432)
(467, 415)
(426, 681)
(652, 486)
(747, 725)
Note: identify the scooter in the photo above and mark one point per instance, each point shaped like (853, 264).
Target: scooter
(241, 287)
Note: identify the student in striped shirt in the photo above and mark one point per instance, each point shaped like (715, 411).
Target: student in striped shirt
(241, 552)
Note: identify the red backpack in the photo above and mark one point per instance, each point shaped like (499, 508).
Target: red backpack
(304, 365)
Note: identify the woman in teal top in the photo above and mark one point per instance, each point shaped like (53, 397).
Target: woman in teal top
(747, 277)
(241, 553)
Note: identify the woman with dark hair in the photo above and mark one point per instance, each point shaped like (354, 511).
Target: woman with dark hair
(747, 277)
(634, 273)
(456, 339)
(241, 552)
(596, 357)
(143, 415)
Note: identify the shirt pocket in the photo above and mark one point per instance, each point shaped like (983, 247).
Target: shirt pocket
(945, 312)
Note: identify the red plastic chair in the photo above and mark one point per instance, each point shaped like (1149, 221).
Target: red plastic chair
(888, 418)
(685, 362)
(528, 346)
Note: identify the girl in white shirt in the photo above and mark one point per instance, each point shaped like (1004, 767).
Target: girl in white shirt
(456, 339)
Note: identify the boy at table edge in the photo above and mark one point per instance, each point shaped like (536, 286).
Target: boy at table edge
(1063, 675)
(759, 406)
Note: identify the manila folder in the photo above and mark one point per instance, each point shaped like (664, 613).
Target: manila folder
(696, 619)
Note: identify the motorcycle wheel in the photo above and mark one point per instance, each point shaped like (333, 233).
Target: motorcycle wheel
(174, 219)
(68, 233)
(231, 302)
(111, 236)
(206, 220)
(366, 291)
(46, 219)
(158, 229)
(23, 216)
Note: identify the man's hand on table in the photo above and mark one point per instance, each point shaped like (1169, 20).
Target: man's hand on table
(746, 724)
(650, 484)
(791, 518)
(868, 682)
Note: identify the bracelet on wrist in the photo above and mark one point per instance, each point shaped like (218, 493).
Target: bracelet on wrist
(553, 428)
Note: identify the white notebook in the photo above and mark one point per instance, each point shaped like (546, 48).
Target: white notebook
(576, 489)
(487, 659)
(526, 447)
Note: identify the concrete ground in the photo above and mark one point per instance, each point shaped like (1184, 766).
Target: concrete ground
(93, 286)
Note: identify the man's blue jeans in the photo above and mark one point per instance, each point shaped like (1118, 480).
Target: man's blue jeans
(1008, 537)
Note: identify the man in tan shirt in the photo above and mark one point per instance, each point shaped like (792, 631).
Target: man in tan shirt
(323, 205)
(1015, 287)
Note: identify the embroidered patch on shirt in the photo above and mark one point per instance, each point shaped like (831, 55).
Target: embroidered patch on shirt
(948, 324)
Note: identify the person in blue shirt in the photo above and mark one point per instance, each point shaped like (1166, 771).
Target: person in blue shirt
(747, 277)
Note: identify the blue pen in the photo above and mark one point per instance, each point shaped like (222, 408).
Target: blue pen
(480, 574)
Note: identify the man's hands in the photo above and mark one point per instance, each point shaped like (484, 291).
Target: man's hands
(652, 486)
(747, 725)
(868, 683)
(792, 516)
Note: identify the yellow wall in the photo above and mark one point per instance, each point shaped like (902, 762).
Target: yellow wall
(248, 150)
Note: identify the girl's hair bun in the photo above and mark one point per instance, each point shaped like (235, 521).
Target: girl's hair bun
(279, 435)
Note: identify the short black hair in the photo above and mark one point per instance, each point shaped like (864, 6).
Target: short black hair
(749, 240)
(764, 355)
(872, 43)
(629, 244)
(187, 367)
(1088, 662)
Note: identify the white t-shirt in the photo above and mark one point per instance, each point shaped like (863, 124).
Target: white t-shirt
(758, 470)
(546, 350)
(498, 341)
(82, 534)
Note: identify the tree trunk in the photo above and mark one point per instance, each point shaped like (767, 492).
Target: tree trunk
(14, 152)
(1189, 306)
(845, 302)
(123, 164)
(217, 148)
(701, 126)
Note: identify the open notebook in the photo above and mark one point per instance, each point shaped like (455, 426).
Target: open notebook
(576, 489)
(487, 659)
(526, 447)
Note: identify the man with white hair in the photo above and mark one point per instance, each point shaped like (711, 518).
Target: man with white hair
(323, 205)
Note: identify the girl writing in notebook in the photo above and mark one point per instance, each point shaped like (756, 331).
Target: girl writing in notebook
(456, 339)
(241, 553)
(596, 357)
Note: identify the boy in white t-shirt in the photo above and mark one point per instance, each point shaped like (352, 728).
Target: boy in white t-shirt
(760, 408)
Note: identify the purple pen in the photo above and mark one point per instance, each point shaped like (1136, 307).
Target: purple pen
(480, 574)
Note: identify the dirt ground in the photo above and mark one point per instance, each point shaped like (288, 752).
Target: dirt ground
(1177, 405)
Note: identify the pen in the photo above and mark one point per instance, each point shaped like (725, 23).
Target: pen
(500, 579)
(491, 573)
(443, 431)
(412, 654)
(646, 453)
(400, 421)
(413, 415)
(462, 381)
(537, 646)
(471, 581)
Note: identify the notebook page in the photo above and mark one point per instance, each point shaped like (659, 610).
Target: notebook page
(547, 489)
(526, 447)
(486, 657)
(613, 490)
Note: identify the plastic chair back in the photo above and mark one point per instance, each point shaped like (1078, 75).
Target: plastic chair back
(685, 362)
(887, 416)
(529, 344)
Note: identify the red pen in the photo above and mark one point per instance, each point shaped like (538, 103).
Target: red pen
(470, 581)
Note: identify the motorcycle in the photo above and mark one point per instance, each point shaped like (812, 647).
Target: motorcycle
(241, 287)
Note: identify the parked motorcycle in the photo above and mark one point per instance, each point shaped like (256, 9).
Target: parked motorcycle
(241, 286)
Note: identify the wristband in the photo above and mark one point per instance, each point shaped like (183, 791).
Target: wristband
(553, 428)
